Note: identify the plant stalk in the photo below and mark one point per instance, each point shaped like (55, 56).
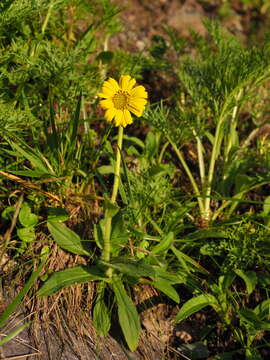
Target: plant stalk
(214, 155)
(189, 174)
(106, 254)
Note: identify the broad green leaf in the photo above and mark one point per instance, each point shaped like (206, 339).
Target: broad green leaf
(27, 234)
(101, 317)
(110, 208)
(76, 275)
(262, 310)
(128, 315)
(30, 282)
(26, 217)
(98, 233)
(167, 289)
(67, 239)
(225, 281)
(250, 317)
(164, 244)
(250, 279)
(195, 304)
(119, 235)
(131, 267)
(163, 275)
(57, 214)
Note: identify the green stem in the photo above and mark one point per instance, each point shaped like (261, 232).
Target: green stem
(117, 164)
(45, 23)
(215, 152)
(189, 174)
(200, 158)
(106, 254)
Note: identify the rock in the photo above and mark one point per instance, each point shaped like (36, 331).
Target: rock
(189, 16)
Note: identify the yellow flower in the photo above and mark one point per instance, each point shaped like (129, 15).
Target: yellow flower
(121, 99)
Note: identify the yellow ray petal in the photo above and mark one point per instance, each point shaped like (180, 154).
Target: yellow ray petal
(119, 118)
(110, 114)
(124, 82)
(127, 118)
(139, 91)
(137, 103)
(135, 110)
(106, 104)
(113, 84)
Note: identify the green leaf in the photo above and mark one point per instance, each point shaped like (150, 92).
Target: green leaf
(57, 214)
(14, 333)
(187, 262)
(101, 315)
(98, 233)
(249, 317)
(128, 315)
(164, 244)
(167, 289)
(131, 267)
(262, 310)
(250, 279)
(173, 278)
(26, 234)
(76, 275)
(119, 235)
(110, 208)
(67, 239)
(26, 217)
(195, 304)
(266, 206)
(29, 155)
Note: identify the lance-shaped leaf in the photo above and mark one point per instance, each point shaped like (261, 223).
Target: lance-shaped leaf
(76, 275)
(128, 315)
(195, 304)
(68, 239)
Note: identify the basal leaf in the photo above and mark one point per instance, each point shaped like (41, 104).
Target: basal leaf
(128, 315)
(76, 275)
(101, 317)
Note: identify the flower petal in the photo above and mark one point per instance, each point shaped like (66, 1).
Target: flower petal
(119, 118)
(139, 91)
(124, 82)
(106, 104)
(135, 110)
(113, 84)
(104, 95)
(127, 118)
(110, 114)
(137, 105)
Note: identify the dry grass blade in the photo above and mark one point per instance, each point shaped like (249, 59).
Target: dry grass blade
(29, 185)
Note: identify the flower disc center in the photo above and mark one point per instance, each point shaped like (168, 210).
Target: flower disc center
(120, 100)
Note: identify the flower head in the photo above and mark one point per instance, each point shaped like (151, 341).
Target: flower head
(119, 99)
